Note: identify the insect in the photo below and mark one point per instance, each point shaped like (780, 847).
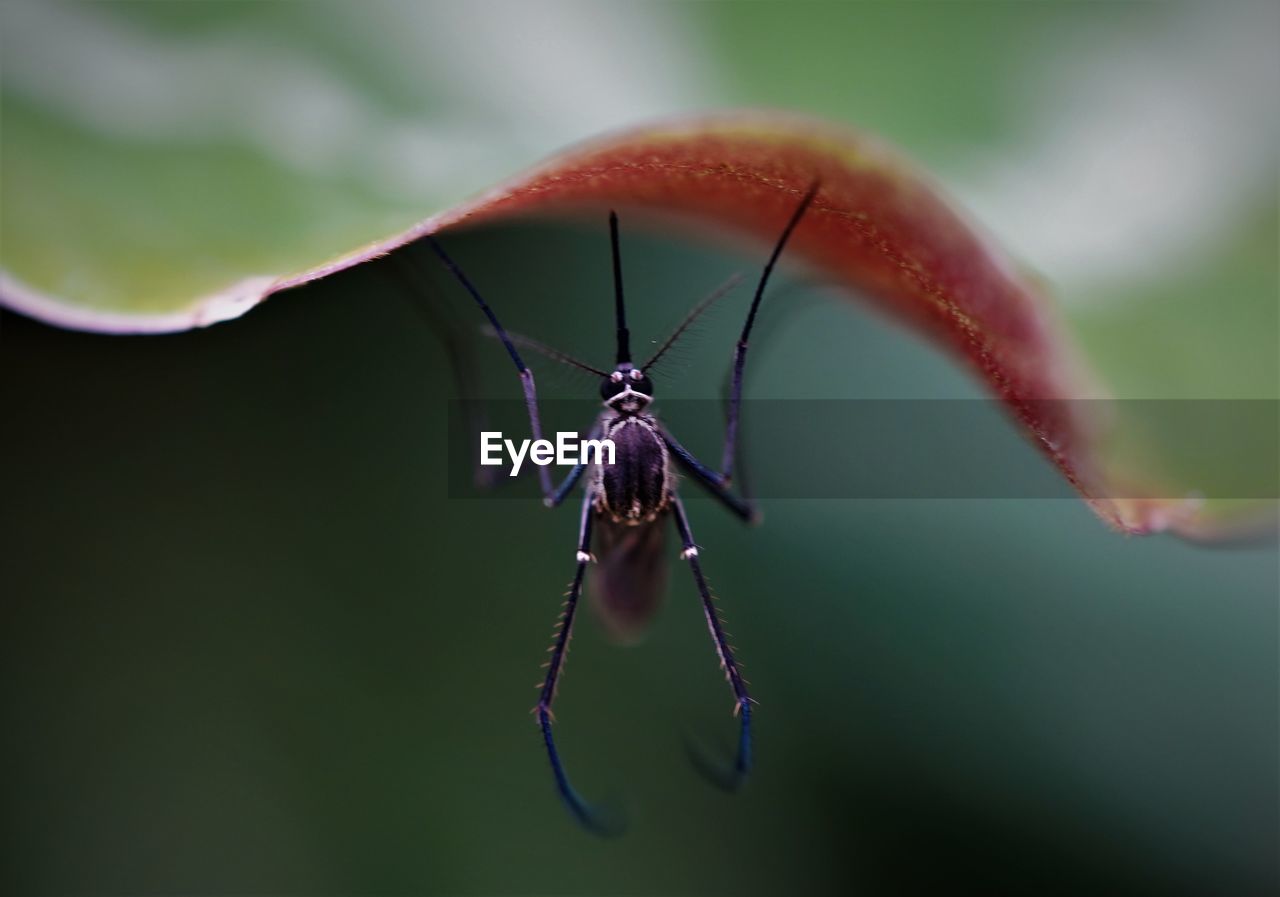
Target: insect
(626, 505)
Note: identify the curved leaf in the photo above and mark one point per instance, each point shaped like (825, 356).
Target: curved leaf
(877, 226)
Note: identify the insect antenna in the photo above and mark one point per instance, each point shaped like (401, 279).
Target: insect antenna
(693, 315)
(528, 342)
(619, 305)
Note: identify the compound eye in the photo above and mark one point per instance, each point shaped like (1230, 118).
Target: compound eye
(609, 388)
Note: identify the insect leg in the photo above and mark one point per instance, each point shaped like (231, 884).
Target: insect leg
(713, 482)
(459, 351)
(566, 486)
(571, 478)
(740, 353)
(526, 375)
(585, 813)
(729, 779)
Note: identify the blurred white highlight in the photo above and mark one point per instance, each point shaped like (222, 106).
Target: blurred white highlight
(1142, 147)
(1143, 150)
(499, 83)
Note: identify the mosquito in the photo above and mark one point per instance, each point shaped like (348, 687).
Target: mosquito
(626, 505)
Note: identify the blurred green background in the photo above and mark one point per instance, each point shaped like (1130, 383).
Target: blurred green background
(250, 646)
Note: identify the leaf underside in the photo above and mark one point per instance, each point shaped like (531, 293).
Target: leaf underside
(877, 227)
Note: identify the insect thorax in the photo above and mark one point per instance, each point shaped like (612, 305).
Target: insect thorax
(637, 487)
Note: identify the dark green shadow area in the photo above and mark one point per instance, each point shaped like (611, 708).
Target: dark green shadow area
(250, 647)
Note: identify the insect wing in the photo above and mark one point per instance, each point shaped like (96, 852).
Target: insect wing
(629, 580)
